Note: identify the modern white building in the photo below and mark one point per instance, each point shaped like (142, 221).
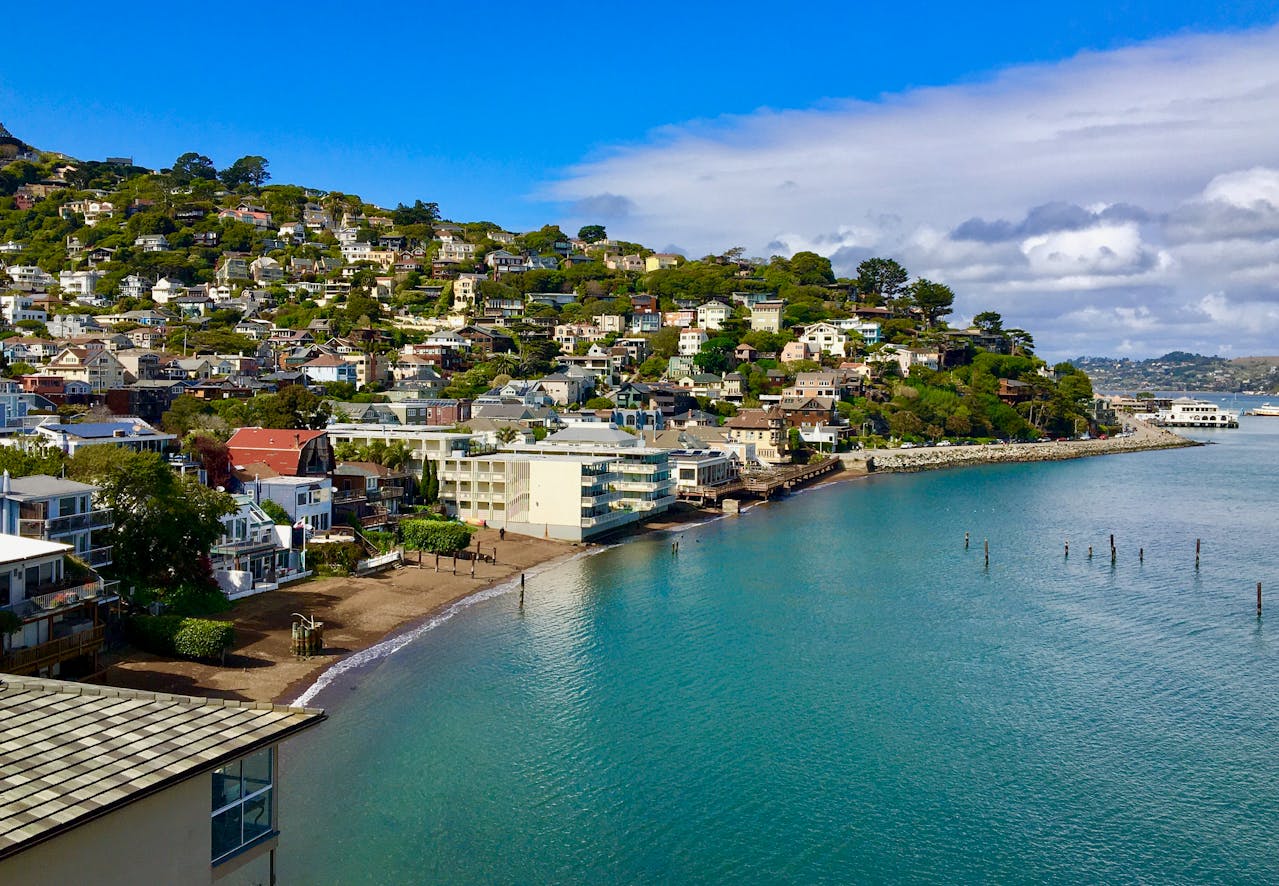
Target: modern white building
(566, 497)
(307, 500)
(644, 479)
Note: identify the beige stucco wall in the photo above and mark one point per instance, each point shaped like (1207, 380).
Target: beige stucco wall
(165, 838)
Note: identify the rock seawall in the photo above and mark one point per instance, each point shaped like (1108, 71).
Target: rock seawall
(931, 458)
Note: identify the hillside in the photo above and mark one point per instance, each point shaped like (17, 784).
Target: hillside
(201, 260)
(1180, 371)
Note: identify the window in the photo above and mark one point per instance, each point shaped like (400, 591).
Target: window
(242, 803)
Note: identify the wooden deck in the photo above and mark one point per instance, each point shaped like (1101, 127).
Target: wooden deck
(762, 484)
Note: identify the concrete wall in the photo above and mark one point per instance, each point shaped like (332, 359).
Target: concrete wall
(555, 493)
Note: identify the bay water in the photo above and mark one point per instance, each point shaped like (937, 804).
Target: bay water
(832, 689)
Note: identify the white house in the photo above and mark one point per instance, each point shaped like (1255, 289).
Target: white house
(691, 341)
(825, 338)
(713, 314)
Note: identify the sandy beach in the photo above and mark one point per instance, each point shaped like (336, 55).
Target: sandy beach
(357, 613)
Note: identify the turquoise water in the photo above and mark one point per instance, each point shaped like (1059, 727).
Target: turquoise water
(832, 689)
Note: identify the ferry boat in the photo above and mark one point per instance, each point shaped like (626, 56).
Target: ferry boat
(1185, 412)
(1264, 409)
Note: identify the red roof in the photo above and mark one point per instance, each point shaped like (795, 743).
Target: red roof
(278, 448)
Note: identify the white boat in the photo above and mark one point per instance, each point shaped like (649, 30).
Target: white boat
(1186, 412)
(1264, 409)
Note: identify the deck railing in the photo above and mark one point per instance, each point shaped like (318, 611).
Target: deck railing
(30, 659)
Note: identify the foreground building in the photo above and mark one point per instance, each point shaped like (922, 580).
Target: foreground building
(117, 786)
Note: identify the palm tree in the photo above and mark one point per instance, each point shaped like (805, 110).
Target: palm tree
(506, 434)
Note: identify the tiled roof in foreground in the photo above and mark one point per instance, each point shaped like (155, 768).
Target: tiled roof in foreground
(70, 752)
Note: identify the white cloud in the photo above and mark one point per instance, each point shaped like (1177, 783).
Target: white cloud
(1137, 178)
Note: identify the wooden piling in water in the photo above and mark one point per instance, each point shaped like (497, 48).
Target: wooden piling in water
(1067, 547)
(965, 541)
(1196, 553)
(1258, 599)
(1141, 555)
(1090, 552)
(986, 545)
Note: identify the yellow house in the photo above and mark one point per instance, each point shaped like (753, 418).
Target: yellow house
(98, 367)
(116, 786)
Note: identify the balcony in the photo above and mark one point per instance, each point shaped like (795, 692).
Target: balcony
(32, 659)
(59, 526)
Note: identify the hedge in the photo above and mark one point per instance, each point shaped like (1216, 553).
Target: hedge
(181, 636)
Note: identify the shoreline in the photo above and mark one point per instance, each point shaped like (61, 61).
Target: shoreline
(369, 618)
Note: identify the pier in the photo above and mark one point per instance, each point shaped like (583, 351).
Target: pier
(760, 484)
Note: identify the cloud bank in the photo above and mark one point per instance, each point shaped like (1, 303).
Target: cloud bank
(1124, 202)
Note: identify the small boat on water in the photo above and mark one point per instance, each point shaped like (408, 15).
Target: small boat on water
(1186, 412)
(1264, 409)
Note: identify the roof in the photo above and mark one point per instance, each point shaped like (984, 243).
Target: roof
(15, 548)
(71, 752)
(592, 433)
(101, 429)
(44, 486)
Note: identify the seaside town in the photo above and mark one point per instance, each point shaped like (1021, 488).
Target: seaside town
(249, 428)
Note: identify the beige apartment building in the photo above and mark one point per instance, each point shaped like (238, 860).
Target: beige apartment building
(566, 497)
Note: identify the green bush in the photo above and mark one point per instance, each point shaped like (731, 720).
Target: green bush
(202, 638)
(435, 536)
(180, 636)
(335, 558)
(190, 599)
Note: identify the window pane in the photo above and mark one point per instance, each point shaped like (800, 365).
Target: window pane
(227, 836)
(257, 816)
(257, 771)
(226, 785)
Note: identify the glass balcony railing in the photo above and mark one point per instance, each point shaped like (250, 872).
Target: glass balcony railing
(57, 526)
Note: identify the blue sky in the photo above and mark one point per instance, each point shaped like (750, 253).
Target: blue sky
(524, 115)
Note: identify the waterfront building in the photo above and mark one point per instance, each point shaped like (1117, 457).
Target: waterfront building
(56, 510)
(253, 553)
(423, 442)
(701, 469)
(562, 496)
(275, 451)
(765, 429)
(119, 786)
(644, 479)
(61, 613)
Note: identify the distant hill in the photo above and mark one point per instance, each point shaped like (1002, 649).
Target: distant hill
(1179, 370)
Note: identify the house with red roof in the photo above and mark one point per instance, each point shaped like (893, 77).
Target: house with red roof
(281, 452)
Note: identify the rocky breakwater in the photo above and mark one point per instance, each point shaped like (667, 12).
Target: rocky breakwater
(930, 458)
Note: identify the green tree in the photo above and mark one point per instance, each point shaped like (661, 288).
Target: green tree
(418, 214)
(934, 300)
(809, 268)
(293, 407)
(276, 512)
(192, 166)
(592, 233)
(164, 523)
(880, 278)
(249, 170)
(989, 322)
(25, 460)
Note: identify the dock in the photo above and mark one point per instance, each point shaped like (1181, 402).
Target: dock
(760, 484)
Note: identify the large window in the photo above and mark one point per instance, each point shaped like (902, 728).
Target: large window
(241, 804)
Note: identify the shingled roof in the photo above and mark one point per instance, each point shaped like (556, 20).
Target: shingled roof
(70, 752)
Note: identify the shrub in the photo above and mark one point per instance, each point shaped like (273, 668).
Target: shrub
(202, 638)
(191, 599)
(180, 636)
(336, 558)
(435, 536)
